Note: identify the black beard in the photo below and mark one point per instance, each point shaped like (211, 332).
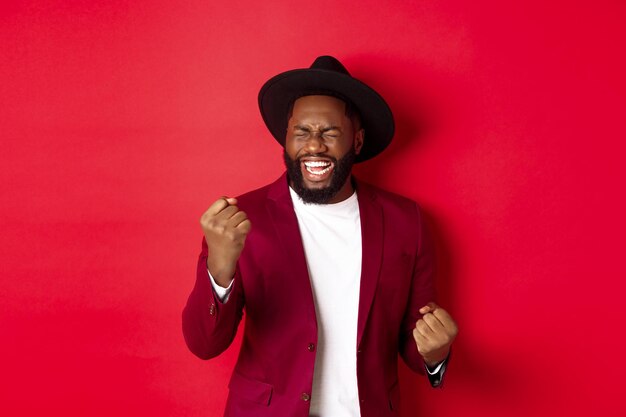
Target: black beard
(340, 174)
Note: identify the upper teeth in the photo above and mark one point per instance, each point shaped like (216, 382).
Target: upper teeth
(316, 163)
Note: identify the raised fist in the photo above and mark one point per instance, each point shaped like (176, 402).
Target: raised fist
(225, 229)
(434, 333)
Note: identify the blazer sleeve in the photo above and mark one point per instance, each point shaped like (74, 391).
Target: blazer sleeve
(422, 291)
(209, 326)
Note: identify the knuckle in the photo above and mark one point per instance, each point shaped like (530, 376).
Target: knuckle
(207, 225)
(230, 234)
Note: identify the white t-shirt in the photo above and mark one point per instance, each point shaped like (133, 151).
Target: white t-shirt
(331, 236)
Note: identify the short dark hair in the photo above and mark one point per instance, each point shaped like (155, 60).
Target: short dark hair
(351, 111)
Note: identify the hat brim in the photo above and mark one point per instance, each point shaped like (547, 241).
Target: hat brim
(376, 117)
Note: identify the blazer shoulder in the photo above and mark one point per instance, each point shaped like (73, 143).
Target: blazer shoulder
(254, 196)
(388, 198)
(255, 199)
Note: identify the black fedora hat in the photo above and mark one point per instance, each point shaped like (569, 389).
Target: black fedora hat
(327, 76)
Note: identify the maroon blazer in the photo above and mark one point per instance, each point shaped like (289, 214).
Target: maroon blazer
(274, 372)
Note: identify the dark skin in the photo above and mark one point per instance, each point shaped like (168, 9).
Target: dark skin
(319, 129)
(318, 132)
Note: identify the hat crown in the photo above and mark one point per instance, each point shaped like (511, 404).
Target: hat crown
(327, 76)
(329, 63)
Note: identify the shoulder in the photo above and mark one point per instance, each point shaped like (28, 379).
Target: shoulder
(402, 217)
(387, 199)
(254, 196)
(257, 198)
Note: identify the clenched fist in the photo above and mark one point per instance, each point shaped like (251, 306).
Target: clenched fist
(434, 333)
(225, 229)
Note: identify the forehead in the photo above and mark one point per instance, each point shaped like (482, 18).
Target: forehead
(319, 107)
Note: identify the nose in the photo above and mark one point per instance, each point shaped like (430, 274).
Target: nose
(315, 144)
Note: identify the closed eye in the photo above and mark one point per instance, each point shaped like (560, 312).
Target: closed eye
(331, 131)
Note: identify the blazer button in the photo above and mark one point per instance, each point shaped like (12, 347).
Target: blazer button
(311, 347)
(305, 397)
(212, 310)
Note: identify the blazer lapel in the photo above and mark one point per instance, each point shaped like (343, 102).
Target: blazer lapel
(280, 209)
(372, 243)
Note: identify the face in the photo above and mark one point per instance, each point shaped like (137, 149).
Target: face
(320, 147)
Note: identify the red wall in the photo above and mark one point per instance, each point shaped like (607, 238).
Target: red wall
(121, 121)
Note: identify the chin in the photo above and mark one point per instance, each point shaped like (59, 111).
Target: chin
(319, 192)
(316, 185)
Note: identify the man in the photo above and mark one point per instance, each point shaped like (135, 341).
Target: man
(335, 275)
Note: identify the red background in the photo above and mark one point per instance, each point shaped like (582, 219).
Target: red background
(121, 121)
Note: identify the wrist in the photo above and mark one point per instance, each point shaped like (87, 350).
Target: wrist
(222, 275)
(436, 358)
(432, 363)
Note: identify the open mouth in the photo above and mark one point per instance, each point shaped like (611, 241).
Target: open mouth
(317, 169)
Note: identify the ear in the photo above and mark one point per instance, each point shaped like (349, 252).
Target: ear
(359, 137)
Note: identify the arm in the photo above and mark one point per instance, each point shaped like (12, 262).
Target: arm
(431, 327)
(209, 326)
(421, 292)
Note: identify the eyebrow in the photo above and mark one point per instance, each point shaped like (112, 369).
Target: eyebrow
(324, 129)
